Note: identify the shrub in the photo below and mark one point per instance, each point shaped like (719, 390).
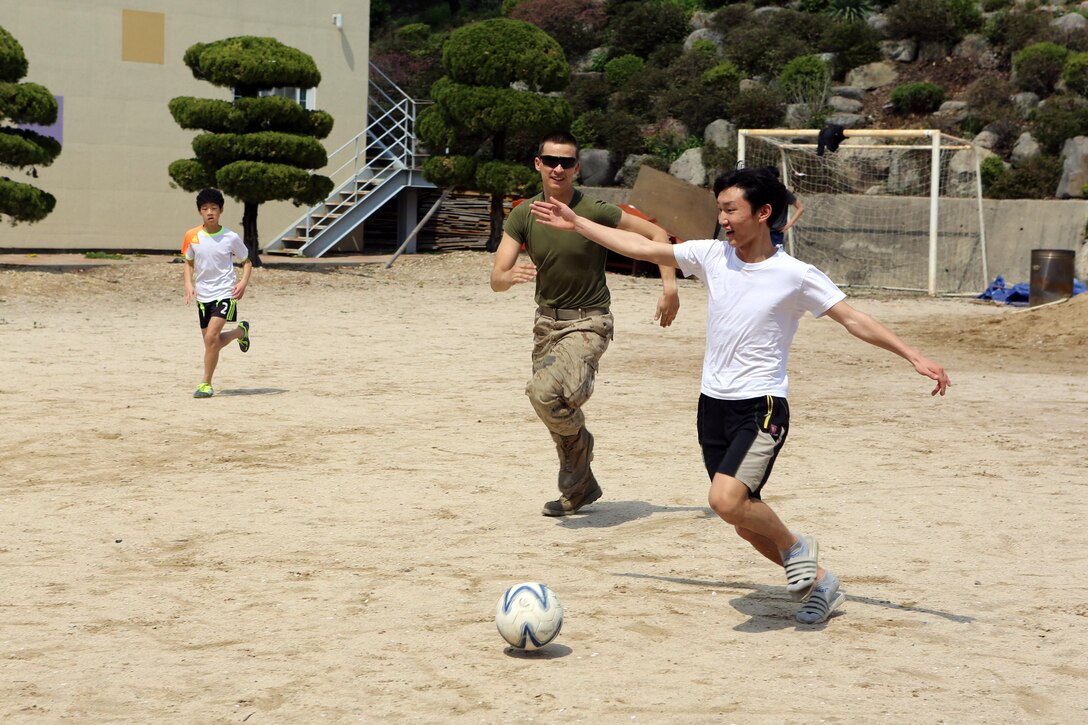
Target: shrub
(694, 94)
(639, 94)
(1060, 118)
(991, 6)
(922, 97)
(620, 70)
(1075, 73)
(933, 21)
(991, 170)
(587, 129)
(805, 79)
(1034, 178)
(639, 28)
(757, 108)
(621, 134)
(849, 11)
(763, 45)
(853, 44)
(587, 92)
(575, 24)
(1012, 30)
(668, 139)
(1038, 67)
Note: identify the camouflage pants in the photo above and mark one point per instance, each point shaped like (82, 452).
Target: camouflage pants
(565, 358)
(566, 354)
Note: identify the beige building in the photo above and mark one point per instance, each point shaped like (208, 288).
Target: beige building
(114, 66)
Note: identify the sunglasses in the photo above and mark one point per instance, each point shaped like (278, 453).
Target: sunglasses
(567, 162)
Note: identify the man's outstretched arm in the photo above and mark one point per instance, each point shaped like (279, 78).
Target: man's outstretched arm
(669, 303)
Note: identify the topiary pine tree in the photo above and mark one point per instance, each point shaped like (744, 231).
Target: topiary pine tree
(476, 110)
(256, 148)
(20, 148)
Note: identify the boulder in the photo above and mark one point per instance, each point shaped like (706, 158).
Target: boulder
(842, 104)
(798, 115)
(901, 51)
(986, 139)
(689, 167)
(848, 120)
(1025, 103)
(1026, 147)
(598, 168)
(704, 34)
(848, 92)
(976, 48)
(872, 75)
(721, 133)
(1070, 23)
(962, 179)
(629, 171)
(1074, 168)
(954, 112)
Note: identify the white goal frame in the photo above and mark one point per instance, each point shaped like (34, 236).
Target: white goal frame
(884, 139)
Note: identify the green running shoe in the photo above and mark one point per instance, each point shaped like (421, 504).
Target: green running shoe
(243, 341)
(204, 391)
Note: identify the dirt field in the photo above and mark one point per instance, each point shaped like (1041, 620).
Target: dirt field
(325, 539)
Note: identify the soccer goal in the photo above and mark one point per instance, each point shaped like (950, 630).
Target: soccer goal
(889, 209)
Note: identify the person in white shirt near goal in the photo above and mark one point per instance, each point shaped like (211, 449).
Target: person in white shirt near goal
(756, 296)
(210, 251)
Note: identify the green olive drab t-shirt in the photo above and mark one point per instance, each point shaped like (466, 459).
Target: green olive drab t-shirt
(569, 267)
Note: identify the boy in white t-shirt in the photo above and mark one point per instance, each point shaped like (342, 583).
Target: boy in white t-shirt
(756, 295)
(210, 251)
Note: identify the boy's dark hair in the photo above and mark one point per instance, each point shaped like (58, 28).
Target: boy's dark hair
(760, 187)
(558, 137)
(209, 196)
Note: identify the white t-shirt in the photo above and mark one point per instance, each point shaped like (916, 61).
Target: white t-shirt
(213, 263)
(752, 315)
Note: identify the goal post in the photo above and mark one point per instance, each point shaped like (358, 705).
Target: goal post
(888, 209)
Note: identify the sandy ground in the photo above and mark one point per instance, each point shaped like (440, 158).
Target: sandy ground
(326, 538)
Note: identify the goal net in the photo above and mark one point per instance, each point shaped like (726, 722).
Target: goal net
(888, 209)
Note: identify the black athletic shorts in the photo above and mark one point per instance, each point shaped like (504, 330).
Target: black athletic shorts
(742, 438)
(227, 309)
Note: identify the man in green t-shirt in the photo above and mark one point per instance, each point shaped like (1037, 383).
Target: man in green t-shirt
(573, 324)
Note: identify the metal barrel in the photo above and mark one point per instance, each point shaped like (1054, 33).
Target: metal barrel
(1051, 275)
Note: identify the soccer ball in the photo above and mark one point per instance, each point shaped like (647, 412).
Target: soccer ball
(529, 615)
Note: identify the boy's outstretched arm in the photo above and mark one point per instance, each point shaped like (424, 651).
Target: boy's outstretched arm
(557, 214)
(864, 327)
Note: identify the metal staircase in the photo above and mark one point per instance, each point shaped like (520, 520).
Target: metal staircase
(373, 168)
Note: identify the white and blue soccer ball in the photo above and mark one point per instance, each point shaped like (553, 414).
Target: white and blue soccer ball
(529, 616)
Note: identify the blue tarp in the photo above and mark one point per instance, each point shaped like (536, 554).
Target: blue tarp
(1016, 294)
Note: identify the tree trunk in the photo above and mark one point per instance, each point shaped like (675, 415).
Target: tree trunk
(249, 232)
(496, 223)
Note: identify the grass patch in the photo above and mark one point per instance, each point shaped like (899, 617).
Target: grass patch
(103, 255)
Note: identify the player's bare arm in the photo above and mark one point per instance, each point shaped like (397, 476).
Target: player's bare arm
(240, 288)
(558, 215)
(798, 210)
(864, 327)
(507, 271)
(190, 290)
(669, 302)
